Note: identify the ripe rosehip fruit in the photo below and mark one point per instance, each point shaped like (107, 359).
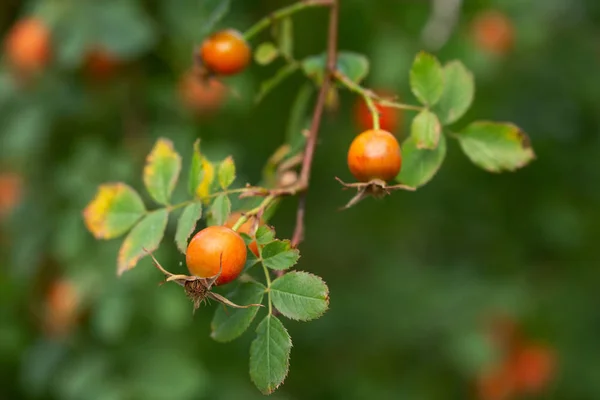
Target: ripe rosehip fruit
(389, 118)
(245, 228)
(225, 52)
(62, 303)
(214, 248)
(203, 96)
(27, 45)
(374, 154)
(100, 64)
(493, 32)
(533, 367)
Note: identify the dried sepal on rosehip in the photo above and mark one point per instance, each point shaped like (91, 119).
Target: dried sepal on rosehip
(215, 257)
(374, 158)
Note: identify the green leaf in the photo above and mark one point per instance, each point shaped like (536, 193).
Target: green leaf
(202, 173)
(220, 210)
(162, 170)
(228, 324)
(147, 234)
(264, 234)
(285, 37)
(271, 83)
(215, 11)
(427, 78)
(270, 355)
(355, 66)
(496, 147)
(419, 166)
(265, 53)
(279, 255)
(113, 211)
(299, 295)
(459, 92)
(226, 172)
(426, 130)
(186, 224)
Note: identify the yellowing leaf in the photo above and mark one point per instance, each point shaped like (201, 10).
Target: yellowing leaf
(146, 235)
(113, 211)
(202, 175)
(162, 170)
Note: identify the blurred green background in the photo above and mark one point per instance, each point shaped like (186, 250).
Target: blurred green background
(413, 277)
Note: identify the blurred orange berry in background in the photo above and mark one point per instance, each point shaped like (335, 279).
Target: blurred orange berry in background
(62, 305)
(496, 384)
(533, 366)
(27, 45)
(11, 187)
(244, 228)
(203, 96)
(101, 64)
(389, 118)
(493, 31)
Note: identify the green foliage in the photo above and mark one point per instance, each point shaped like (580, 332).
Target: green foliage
(353, 65)
(187, 224)
(459, 91)
(427, 79)
(279, 255)
(300, 295)
(220, 210)
(420, 165)
(162, 170)
(265, 53)
(426, 130)
(228, 325)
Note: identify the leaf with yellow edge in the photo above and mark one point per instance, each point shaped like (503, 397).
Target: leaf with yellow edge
(202, 175)
(146, 235)
(114, 210)
(162, 169)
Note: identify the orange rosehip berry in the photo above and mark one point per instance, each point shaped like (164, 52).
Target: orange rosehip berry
(225, 52)
(245, 228)
(62, 303)
(203, 96)
(533, 367)
(374, 154)
(493, 32)
(27, 45)
(216, 248)
(100, 64)
(10, 192)
(389, 118)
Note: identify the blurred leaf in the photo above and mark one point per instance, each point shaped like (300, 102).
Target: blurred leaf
(459, 91)
(496, 147)
(264, 234)
(299, 119)
(113, 211)
(426, 130)
(285, 37)
(355, 66)
(220, 210)
(279, 255)
(271, 83)
(122, 27)
(419, 166)
(215, 10)
(265, 53)
(147, 234)
(300, 295)
(186, 224)
(229, 324)
(427, 78)
(112, 315)
(270, 355)
(162, 169)
(202, 174)
(226, 172)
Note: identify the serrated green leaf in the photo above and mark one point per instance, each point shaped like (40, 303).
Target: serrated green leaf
(229, 324)
(427, 78)
(264, 234)
(353, 65)
(163, 165)
(426, 130)
(271, 83)
(202, 174)
(147, 234)
(279, 255)
(113, 211)
(186, 224)
(226, 172)
(270, 355)
(285, 37)
(220, 210)
(419, 166)
(496, 147)
(459, 92)
(265, 53)
(299, 295)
